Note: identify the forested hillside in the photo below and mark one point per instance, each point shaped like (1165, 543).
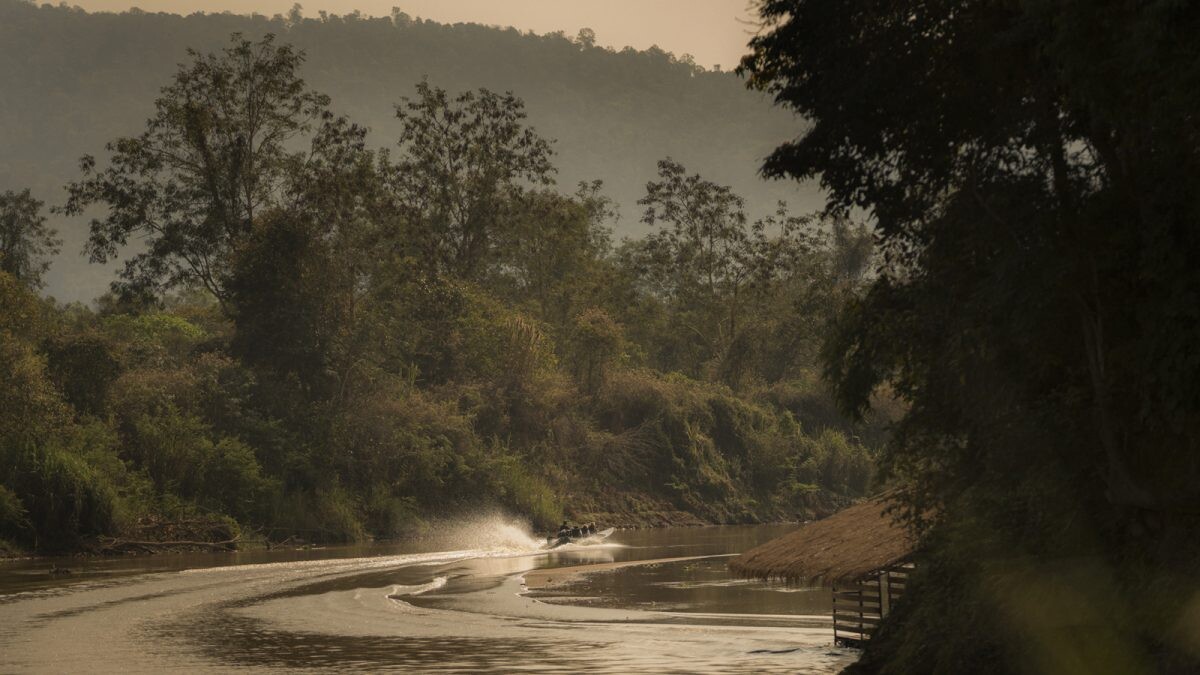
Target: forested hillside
(73, 80)
(320, 339)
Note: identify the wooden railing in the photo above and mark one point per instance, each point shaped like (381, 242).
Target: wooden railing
(859, 607)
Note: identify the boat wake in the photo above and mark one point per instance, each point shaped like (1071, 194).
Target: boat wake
(454, 604)
(400, 592)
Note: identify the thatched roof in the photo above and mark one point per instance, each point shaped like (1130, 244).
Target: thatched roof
(843, 547)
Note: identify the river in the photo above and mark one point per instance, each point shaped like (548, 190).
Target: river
(483, 596)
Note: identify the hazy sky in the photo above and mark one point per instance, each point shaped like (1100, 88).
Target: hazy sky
(713, 31)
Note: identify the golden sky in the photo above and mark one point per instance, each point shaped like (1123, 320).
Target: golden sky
(713, 31)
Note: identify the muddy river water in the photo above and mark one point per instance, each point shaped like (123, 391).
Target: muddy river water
(483, 596)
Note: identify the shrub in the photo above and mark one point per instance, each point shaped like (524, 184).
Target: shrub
(14, 519)
(182, 457)
(596, 343)
(63, 498)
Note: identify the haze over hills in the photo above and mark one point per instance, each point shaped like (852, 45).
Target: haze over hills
(74, 80)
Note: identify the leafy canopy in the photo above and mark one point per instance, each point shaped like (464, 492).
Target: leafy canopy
(463, 161)
(217, 152)
(26, 244)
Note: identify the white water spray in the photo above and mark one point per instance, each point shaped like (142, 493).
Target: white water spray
(493, 532)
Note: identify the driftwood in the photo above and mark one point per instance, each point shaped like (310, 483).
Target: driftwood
(154, 535)
(118, 545)
(112, 544)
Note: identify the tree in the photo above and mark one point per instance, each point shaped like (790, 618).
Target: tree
(586, 38)
(710, 264)
(463, 163)
(292, 303)
(26, 244)
(549, 257)
(217, 152)
(298, 277)
(1030, 168)
(596, 343)
(1005, 173)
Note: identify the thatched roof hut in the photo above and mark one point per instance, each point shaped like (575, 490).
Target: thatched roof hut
(847, 546)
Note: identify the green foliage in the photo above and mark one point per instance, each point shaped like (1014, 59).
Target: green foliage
(446, 330)
(26, 244)
(551, 260)
(355, 342)
(596, 344)
(720, 456)
(1030, 169)
(742, 298)
(810, 401)
(83, 365)
(291, 302)
(14, 519)
(62, 498)
(21, 313)
(613, 112)
(154, 339)
(463, 163)
(214, 155)
(182, 458)
(30, 408)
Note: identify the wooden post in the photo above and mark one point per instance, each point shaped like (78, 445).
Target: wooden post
(862, 633)
(835, 615)
(885, 593)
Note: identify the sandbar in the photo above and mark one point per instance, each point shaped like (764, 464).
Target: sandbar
(549, 577)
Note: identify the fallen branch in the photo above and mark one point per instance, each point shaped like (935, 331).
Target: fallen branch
(113, 544)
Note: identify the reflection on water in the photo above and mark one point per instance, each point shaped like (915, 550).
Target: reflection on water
(421, 607)
(701, 585)
(244, 641)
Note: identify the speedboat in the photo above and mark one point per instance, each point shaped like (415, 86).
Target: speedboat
(578, 535)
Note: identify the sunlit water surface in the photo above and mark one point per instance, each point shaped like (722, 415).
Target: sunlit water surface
(457, 604)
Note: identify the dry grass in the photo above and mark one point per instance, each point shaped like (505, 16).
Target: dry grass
(843, 547)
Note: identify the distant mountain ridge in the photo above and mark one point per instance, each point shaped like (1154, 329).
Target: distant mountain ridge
(71, 80)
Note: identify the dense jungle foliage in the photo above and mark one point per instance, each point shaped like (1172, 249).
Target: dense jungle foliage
(72, 80)
(1031, 168)
(322, 340)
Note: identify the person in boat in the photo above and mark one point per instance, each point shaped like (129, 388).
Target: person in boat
(564, 530)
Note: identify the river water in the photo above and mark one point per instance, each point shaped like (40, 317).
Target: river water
(483, 596)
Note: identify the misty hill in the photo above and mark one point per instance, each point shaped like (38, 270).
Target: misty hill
(73, 80)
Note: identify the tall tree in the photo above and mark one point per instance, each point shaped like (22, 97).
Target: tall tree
(217, 152)
(549, 258)
(1031, 169)
(298, 276)
(26, 244)
(706, 260)
(463, 161)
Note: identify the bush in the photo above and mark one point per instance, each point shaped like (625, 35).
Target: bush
(182, 457)
(596, 343)
(83, 366)
(526, 493)
(328, 515)
(30, 408)
(14, 519)
(63, 498)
